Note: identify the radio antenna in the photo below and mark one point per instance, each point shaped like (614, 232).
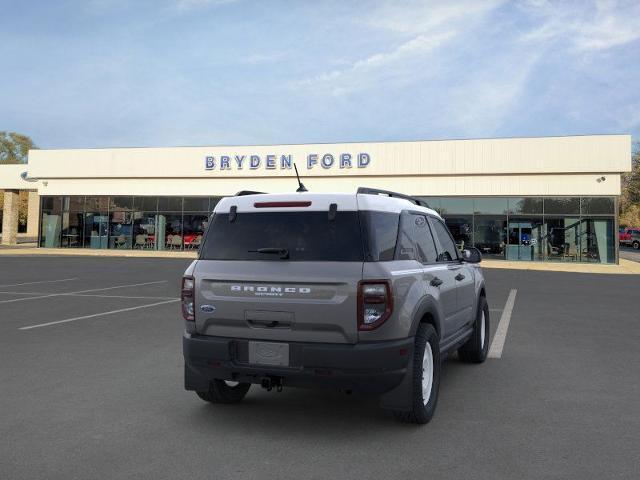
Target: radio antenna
(301, 187)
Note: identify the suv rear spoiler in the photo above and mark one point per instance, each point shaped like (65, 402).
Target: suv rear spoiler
(242, 193)
(376, 191)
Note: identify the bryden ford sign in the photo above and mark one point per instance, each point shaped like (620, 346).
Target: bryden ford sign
(285, 162)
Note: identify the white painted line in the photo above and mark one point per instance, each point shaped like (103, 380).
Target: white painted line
(88, 295)
(117, 296)
(501, 332)
(81, 291)
(21, 293)
(29, 327)
(41, 281)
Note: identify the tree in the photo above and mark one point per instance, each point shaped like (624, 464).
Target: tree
(14, 147)
(630, 198)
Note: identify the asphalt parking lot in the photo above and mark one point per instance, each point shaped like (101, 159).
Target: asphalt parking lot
(629, 253)
(91, 387)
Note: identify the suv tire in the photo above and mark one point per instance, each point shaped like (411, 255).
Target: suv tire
(426, 377)
(223, 391)
(476, 348)
(636, 245)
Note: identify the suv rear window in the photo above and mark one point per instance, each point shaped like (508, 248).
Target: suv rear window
(307, 236)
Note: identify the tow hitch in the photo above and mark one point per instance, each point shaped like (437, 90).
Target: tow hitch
(268, 383)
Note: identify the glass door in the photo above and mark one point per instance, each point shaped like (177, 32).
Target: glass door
(96, 230)
(524, 240)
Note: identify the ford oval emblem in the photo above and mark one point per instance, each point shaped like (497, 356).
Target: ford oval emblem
(207, 308)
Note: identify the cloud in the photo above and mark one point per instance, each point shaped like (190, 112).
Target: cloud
(419, 17)
(367, 71)
(420, 31)
(482, 103)
(603, 26)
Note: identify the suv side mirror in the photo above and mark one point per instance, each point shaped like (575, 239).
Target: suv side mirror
(471, 255)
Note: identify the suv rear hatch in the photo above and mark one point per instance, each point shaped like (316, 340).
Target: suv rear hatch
(285, 270)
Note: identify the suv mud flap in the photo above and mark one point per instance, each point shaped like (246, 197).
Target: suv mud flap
(400, 398)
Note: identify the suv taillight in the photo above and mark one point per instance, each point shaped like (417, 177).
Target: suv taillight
(187, 299)
(375, 303)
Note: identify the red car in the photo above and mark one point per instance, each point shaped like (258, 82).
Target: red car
(629, 237)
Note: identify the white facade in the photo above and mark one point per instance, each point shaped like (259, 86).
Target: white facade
(542, 166)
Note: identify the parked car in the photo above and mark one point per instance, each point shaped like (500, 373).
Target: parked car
(357, 292)
(630, 237)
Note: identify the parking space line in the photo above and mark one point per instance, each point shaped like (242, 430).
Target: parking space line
(81, 291)
(67, 320)
(41, 281)
(495, 351)
(21, 293)
(117, 296)
(89, 295)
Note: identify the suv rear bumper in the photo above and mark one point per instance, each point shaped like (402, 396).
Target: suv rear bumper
(372, 367)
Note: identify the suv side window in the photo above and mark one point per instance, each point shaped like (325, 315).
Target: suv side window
(424, 240)
(415, 241)
(405, 249)
(447, 251)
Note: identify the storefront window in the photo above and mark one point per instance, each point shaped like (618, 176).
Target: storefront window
(525, 206)
(145, 204)
(490, 235)
(597, 240)
(461, 227)
(72, 222)
(562, 206)
(51, 224)
(120, 203)
(453, 205)
(597, 206)
(144, 230)
(564, 229)
(120, 230)
(490, 206)
(525, 238)
(170, 204)
(562, 238)
(196, 204)
(193, 228)
(96, 222)
(168, 231)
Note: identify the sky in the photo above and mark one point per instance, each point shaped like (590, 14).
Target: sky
(115, 73)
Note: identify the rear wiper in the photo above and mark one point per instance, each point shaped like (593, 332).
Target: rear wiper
(283, 252)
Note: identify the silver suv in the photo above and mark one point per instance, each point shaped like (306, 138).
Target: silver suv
(361, 292)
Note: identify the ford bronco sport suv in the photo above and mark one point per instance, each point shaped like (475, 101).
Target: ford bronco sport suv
(359, 292)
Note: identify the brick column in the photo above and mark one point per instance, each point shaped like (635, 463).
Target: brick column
(33, 214)
(10, 217)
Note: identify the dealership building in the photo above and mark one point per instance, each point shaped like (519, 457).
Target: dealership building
(534, 199)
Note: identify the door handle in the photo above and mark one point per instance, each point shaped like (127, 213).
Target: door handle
(436, 282)
(459, 277)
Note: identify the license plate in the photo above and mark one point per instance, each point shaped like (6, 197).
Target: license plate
(269, 353)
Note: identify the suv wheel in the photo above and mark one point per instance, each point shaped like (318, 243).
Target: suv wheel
(426, 377)
(476, 348)
(636, 245)
(224, 391)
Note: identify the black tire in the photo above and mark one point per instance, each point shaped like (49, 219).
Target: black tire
(636, 245)
(476, 348)
(220, 392)
(422, 411)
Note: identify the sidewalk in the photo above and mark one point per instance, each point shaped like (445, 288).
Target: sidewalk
(626, 267)
(87, 252)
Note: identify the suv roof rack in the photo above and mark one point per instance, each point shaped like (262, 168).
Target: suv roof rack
(242, 193)
(377, 191)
